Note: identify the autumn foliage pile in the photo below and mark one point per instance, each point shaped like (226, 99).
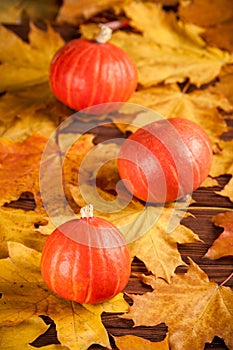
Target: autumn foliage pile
(184, 57)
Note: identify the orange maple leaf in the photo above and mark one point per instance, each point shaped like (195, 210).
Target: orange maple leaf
(223, 245)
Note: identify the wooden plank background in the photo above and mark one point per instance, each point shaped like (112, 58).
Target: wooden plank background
(207, 204)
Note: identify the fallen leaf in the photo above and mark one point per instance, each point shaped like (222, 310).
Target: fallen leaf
(25, 295)
(194, 309)
(19, 171)
(224, 84)
(159, 62)
(222, 159)
(200, 107)
(227, 191)
(209, 182)
(220, 36)
(20, 226)
(223, 245)
(14, 11)
(20, 337)
(158, 247)
(31, 110)
(72, 12)
(26, 64)
(127, 342)
(168, 50)
(215, 16)
(206, 13)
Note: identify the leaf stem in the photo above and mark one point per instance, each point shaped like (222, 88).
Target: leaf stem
(210, 208)
(227, 279)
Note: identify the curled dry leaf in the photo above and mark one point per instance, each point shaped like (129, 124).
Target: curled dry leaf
(132, 342)
(194, 309)
(223, 245)
(25, 295)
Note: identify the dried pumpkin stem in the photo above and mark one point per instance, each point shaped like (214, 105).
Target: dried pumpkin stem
(87, 211)
(104, 34)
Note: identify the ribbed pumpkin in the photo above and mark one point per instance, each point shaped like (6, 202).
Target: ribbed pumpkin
(85, 73)
(86, 260)
(165, 160)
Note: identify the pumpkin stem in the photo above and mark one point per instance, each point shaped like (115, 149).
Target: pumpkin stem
(104, 34)
(87, 211)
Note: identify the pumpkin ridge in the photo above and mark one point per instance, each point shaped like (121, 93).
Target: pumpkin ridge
(71, 99)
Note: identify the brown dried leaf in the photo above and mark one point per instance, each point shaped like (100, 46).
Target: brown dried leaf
(215, 16)
(206, 13)
(220, 36)
(223, 245)
(194, 309)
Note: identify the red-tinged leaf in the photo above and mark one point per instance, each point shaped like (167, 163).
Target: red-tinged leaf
(223, 245)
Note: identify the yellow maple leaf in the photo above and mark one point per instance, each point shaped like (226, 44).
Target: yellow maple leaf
(222, 159)
(14, 338)
(168, 101)
(19, 226)
(26, 64)
(168, 50)
(25, 295)
(194, 309)
(31, 110)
